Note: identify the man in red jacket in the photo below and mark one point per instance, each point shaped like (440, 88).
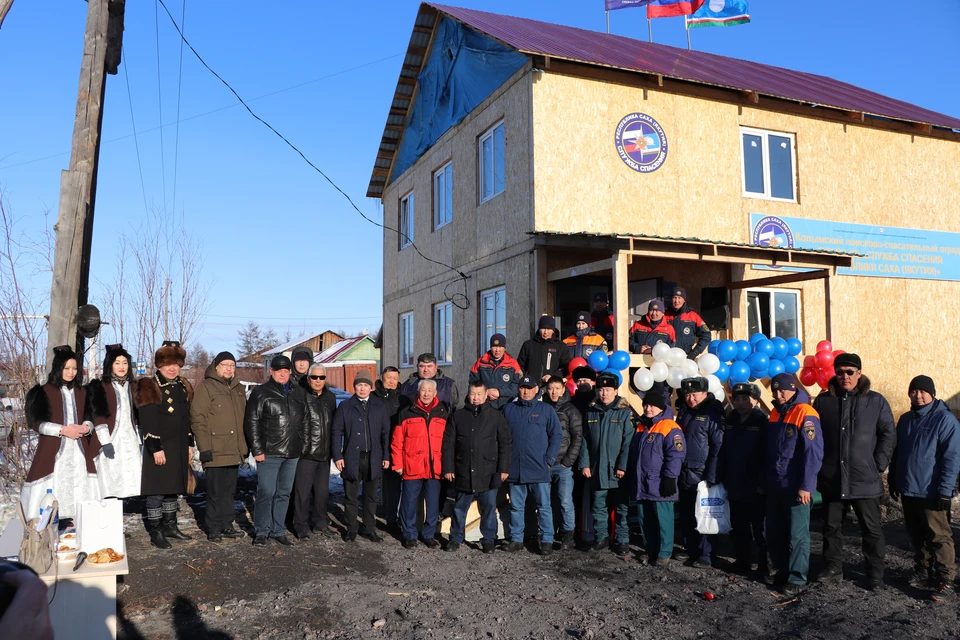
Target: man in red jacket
(416, 450)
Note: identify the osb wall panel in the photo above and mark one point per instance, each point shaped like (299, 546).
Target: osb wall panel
(514, 274)
(477, 230)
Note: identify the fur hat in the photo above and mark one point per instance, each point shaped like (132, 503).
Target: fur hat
(698, 384)
(62, 355)
(114, 351)
(170, 353)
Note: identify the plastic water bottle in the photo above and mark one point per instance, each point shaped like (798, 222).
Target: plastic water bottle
(47, 503)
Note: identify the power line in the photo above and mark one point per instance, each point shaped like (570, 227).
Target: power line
(217, 110)
(163, 175)
(462, 305)
(293, 319)
(176, 143)
(136, 144)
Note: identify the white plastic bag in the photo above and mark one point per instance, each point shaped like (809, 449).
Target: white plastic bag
(712, 509)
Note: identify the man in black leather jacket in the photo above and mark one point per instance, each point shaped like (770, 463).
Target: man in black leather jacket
(313, 469)
(275, 424)
(387, 388)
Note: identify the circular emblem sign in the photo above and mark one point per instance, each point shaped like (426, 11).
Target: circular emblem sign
(641, 142)
(771, 231)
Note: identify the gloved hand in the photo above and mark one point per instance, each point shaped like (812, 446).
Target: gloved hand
(108, 450)
(206, 456)
(894, 492)
(943, 503)
(668, 487)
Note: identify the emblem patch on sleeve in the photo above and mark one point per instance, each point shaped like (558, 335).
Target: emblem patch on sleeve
(809, 430)
(788, 432)
(678, 442)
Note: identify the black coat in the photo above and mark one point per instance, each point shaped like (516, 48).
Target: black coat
(316, 445)
(393, 400)
(539, 357)
(353, 431)
(572, 424)
(740, 467)
(276, 423)
(859, 436)
(164, 413)
(477, 446)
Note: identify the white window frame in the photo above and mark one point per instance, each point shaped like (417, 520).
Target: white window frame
(773, 312)
(484, 335)
(407, 211)
(443, 332)
(405, 340)
(490, 134)
(443, 196)
(767, 187)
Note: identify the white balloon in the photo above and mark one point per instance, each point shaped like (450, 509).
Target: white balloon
(643, 379)
(660, 351)
(676, 357)
(709, 363)
(690, 368)
(715, 384)
(719, 394)
(675, 377)
(659, 370)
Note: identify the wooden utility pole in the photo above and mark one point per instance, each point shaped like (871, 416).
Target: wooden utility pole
(78, 184)
(4, 8)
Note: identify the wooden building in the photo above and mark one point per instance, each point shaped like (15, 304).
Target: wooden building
(573, 162)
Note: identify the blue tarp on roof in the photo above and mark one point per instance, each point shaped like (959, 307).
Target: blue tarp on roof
(464, 68)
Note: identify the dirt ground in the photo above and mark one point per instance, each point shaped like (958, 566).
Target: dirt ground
(325, 588)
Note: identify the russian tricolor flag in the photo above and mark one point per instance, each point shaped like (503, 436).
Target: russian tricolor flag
(670, 8)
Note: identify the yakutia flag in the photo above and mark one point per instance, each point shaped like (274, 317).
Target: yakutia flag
(669, 8)
(720, 13)
(611, 5)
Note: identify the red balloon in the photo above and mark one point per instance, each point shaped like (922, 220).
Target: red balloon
(572, 386)
(809, 362)
(837, 352)
(823, 377)
(824, 345)
(576, 362)
(825, 360)
(808, 375)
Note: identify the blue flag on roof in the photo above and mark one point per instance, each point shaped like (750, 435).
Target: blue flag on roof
(612, 5)
(670, 8)
(720, 13)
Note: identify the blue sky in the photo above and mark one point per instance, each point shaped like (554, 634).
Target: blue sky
(281, 246)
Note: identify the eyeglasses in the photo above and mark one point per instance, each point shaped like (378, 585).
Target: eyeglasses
(318, 377)
(845, 372)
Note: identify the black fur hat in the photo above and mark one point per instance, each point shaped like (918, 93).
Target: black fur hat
(113, 352)
(61, 355)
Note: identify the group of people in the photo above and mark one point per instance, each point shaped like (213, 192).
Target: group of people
(582, 460)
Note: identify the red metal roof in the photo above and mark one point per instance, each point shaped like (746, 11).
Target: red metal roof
(591, 47)
(331, 353)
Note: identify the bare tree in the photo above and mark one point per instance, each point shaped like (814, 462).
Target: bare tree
(251, 339)
(22, 339)
(159, 291)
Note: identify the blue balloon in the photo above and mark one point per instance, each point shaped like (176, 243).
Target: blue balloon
(723, 372)
(791, 364)
(776, 367)
(739, 372)
(780, 348)
(758, 362)
(764, 346)
(757, 337)
(619, 360)
(613, 371)
(713, 346)
(598, 361)
(794, 346)
(744, 349)
(727, 351)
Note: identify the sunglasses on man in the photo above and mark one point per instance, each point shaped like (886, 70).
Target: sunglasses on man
(318, 377)
(845, 372)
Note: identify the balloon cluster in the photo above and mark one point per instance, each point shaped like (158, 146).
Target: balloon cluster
(818, 369)
(754, 359)
(600, 362)
(671, 365)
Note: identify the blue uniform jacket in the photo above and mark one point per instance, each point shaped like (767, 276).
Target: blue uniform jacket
(536, 440)
(607, 432)
(656, 451)
(794, 446)
(927, 459)
(703, 430)
(741, 456)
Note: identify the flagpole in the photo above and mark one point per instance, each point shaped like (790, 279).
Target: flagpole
(608, 21)
(686, 26)
(649, 30)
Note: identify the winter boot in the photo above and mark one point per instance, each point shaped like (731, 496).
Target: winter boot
(565, 538)
(763, 564)
(157, 538)
(170, 529)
